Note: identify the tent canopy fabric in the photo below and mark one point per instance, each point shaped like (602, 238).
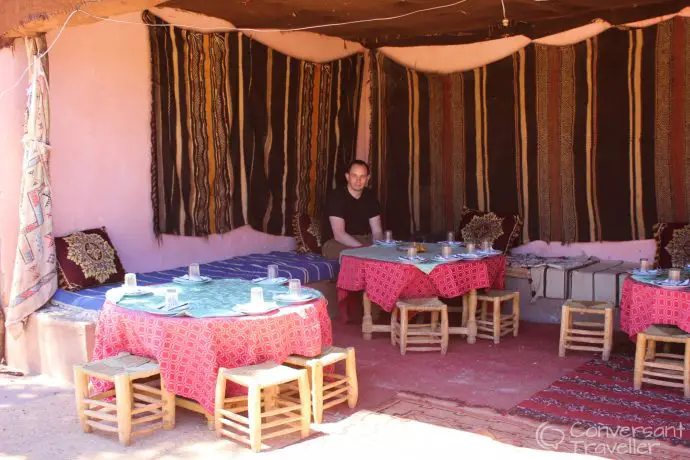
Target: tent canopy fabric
(464, 22)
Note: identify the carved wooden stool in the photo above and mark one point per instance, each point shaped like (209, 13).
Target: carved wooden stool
(327, 389)
(262, 413)
(587, 335)
(138, 408)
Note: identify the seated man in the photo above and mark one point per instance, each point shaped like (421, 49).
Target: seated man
(352, 213)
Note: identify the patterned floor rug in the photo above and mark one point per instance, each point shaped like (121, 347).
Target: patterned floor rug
(528, 432)
(599, 397)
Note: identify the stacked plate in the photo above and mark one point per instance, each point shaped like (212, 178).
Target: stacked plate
(646, 273)
(387, 244)
(452, 243)
(414, 260)
(257, 308)
(270, 281)
(304, 296)
(490, 252)
(674, 285)
(187, 280)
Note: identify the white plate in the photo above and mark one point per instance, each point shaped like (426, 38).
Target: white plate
(135, 292)
(450, 258)
(257, 309)
(452, 243)
(491, 252)
(473, 255)
(646, 274)
(387, 243)
(187, 280)
(270, 282)
(289, 298)
(414, 260)
(665, 284)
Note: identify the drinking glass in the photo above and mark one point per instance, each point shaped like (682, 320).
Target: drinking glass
(446, 250)
(272, 272)
(194, 272)
(644, 265)
(257, 296)
(131, 280)
(470, 247)
(412, 252)
(450, 237)
(674, 274)
(294, 287)
(171, 297)
(486, 245)
(389, 236)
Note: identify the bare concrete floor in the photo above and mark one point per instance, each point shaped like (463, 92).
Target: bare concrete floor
(38, 419)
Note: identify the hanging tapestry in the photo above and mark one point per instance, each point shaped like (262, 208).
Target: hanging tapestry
(243, 134)
(34, 279)
(586, 142)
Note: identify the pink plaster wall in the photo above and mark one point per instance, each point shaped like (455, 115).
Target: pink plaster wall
(12, 64)
(100, 134)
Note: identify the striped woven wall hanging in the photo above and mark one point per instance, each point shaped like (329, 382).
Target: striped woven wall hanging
(243, 134)
(587, 142)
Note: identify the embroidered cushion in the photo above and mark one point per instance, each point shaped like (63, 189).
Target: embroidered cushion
(307, 233)
(672, 244)
(87, 258)
(502, 231)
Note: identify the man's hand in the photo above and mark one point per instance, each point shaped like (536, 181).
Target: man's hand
(339, 233)
(376, 231)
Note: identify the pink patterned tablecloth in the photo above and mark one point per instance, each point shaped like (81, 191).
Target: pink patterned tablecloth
(386, 282)
(190, 350)
(643, 305)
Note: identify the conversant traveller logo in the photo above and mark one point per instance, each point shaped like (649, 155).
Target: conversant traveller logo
(604, 440)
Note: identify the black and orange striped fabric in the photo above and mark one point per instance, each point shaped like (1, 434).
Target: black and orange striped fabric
(243, 134)
(586, 142)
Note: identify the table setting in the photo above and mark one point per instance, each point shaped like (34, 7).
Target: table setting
(674, 278)
(198, 296)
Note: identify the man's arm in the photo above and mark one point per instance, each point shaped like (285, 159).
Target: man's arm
(339, 233)
(375, 224)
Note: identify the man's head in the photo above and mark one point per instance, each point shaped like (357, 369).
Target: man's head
(357, 176)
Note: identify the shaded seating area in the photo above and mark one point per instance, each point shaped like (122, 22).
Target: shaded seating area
(294, 228)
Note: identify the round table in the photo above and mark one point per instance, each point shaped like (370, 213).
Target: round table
(190, 350)
(385, 282)
(643, 305)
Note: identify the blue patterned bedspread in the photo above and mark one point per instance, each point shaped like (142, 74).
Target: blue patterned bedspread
(308, 268)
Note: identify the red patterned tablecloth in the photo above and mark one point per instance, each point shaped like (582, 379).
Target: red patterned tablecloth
(190, 350)
(386, 282)
(643, 305)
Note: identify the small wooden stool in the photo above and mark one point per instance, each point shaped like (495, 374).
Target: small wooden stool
(425, 337)
(588, 333)
(492, 324)
(262, 382)
(664, 369)
(330, 394)
(136, 405)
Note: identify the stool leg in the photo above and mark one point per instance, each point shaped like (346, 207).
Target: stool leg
(608, 334)
(254, 415)
(403, 330)
(686, 371)
(168, 407)
(81, 391)
(351, 374)
(465, 310)
(651, 349)
(220, 401)
(317, 391)
(444, 331)
(434, 320)
(565, 319)
(303, 386)
(516, 314)
(123, 398)
(640, 351)
(394, 325)
(497, 320)
(484, 311)
(367, 320)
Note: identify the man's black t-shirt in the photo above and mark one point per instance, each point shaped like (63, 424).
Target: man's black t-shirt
(355, 211)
